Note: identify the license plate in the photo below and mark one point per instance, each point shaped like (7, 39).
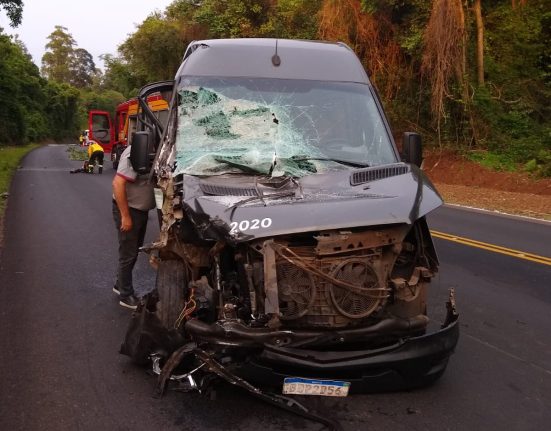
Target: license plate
(325, 388)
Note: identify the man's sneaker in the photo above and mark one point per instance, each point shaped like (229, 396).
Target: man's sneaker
(130, 302)
(116, 290)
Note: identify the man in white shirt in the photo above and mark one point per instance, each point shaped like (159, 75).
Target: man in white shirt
(132, 199)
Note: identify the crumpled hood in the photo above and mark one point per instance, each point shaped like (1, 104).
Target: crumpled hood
(314, 203)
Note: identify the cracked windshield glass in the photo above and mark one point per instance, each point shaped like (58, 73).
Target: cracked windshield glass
(277, 127)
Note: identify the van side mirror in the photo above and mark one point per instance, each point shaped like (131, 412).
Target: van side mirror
(142, 152)
(412, 148)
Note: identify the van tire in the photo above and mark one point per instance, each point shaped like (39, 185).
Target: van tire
(171, 284)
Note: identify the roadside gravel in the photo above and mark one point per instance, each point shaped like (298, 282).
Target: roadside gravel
(525, 204)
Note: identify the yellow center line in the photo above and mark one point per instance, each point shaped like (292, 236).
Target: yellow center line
(492, 247)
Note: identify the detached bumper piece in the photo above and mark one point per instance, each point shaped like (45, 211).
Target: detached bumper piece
(411, 362)
(208, 364)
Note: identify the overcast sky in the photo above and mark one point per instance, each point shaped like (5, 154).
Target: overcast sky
(98, 26)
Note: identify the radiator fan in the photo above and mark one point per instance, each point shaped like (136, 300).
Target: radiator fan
(365, 298)
(297, 291)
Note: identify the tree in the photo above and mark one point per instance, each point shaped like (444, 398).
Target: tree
(83, 68)
(233, 18)
(154, 52)
(65, 62)
(62, 110)
(31, 108)
(444, 55)
(119, 76)
(14, 10)
(477, 7)
(293, 19)
(59, 58)
(104, 100)
(516, 3)
(515, 103)
(371, 33)
(22, 99)
(22, 46)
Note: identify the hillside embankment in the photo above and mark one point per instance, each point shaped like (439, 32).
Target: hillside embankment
(463, 182)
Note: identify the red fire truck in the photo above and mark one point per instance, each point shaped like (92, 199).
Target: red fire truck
(115, 135)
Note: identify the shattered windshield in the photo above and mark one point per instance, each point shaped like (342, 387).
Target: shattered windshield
(277, 127)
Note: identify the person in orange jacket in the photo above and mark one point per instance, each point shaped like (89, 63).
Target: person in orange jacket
(95, 154)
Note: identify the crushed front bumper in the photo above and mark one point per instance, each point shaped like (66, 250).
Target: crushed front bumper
(415, 362)
(410, 363)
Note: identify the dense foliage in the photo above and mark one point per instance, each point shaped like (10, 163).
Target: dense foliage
(471, 74)
(31, 108)
(54, 105)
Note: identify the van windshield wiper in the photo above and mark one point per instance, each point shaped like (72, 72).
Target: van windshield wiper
(330, 159)
(235, 162)
(285, 192)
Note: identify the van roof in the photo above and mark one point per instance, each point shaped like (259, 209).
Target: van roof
(253, 58)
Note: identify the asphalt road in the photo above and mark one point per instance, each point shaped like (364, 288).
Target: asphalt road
(61, 327)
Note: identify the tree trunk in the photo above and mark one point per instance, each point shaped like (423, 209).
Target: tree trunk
(515, 3)
(479, 42)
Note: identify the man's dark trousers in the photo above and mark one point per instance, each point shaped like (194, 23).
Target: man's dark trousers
(129, 245)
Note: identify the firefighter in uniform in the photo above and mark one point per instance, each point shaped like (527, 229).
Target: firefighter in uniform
(95, 154)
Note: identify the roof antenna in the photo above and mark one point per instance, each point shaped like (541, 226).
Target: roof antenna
(276, 60)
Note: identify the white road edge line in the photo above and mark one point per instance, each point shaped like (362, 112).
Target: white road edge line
(498, 213)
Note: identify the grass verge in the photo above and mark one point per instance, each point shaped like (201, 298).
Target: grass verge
(77, 153)
(10, 158)
(494, 161)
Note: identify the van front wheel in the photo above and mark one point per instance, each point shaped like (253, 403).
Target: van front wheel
(171, 284)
